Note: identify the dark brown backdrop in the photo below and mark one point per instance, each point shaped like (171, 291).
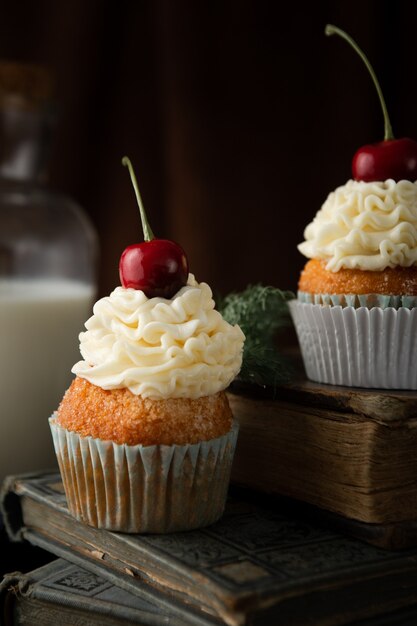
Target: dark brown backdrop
(239, 117)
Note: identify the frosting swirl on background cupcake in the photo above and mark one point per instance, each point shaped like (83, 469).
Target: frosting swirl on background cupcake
(367, 226)
(158, 348)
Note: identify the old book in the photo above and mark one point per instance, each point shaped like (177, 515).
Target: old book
(345, 450)
(63, 593)
(260, 564)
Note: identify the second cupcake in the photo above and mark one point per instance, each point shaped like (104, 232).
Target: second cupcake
(356, 310)
(356, 315)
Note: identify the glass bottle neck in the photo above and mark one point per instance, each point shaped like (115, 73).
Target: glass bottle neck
(25, 135)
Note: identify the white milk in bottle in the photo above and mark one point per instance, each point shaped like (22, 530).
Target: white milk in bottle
(40, 321)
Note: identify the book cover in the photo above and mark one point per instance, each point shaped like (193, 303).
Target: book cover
(257, 565)
(63, 593)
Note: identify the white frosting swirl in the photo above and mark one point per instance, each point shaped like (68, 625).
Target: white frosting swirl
(158, 348)
(368, 226)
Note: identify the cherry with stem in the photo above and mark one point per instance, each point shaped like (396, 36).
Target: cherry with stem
(390, 158)
(158, 267)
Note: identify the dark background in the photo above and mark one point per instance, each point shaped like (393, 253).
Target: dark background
(239, 116)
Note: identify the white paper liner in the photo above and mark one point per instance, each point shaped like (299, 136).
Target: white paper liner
(358, 347)
(139, 489)
(368, 300)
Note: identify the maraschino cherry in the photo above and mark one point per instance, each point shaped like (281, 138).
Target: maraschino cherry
(391, 158)
(158, 267)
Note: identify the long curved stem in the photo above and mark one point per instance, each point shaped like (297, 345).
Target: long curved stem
(147, 231)
(333, 30)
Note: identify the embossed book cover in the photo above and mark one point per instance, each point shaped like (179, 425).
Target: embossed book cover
(63, 593)
(259, 564)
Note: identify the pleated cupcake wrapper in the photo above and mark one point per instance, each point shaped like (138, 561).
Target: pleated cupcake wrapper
(358, 347)
(140, 489)
(369, 300)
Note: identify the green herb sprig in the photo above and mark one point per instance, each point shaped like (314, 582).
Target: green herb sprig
(260, 311)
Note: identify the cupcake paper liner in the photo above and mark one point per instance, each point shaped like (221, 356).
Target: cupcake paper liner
(369, 300)
(141, 489)
(361, 347)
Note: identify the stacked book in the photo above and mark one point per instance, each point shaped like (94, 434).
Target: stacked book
(313, 541)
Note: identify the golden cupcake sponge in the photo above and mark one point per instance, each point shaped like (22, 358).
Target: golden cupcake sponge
(120, 416)
(391, 281)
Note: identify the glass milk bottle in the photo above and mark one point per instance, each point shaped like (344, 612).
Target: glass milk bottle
(47, 275)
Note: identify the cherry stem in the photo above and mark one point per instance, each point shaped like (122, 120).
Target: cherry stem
(147, 230)
(333, 30)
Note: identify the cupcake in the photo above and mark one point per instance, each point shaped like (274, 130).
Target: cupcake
(144, 435)
(355, 313)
